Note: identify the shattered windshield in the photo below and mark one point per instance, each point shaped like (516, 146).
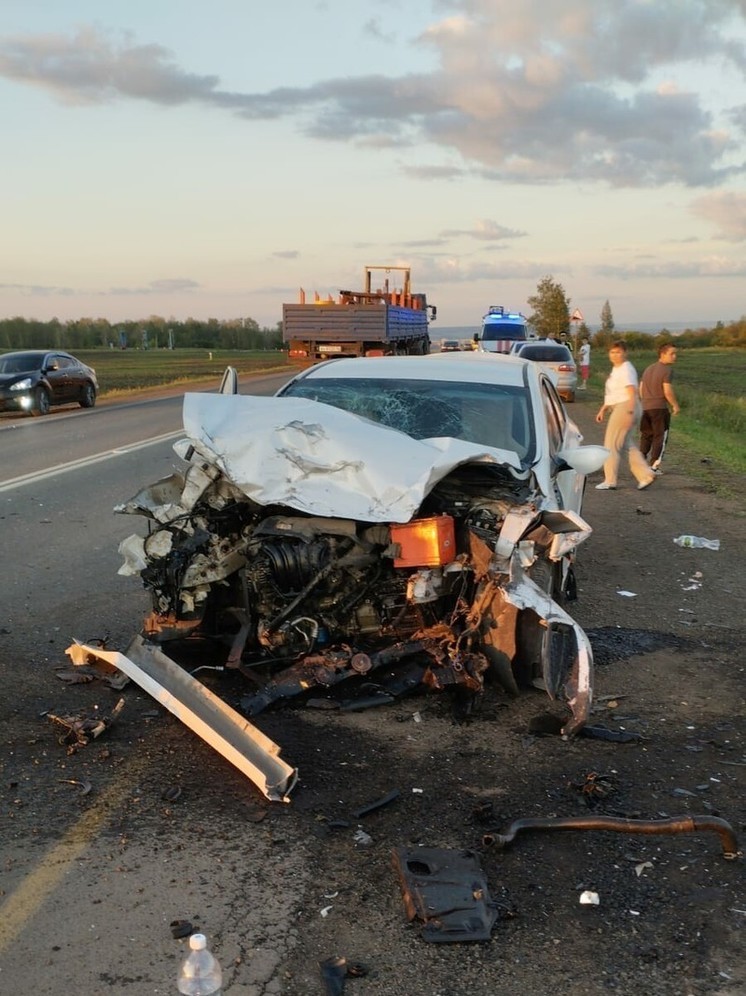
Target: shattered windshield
(487, 414)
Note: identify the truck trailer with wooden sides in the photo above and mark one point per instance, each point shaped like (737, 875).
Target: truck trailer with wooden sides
(385, 321)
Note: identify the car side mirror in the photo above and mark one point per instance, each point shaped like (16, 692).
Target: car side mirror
(583, 459)
(475, 337)
(54, 365)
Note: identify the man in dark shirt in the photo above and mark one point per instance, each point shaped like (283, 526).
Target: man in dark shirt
(658, 403)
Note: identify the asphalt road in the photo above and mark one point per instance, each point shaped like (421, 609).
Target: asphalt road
(85, 903)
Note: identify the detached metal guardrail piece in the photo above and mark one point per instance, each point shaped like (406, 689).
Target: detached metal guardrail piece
(206, 714)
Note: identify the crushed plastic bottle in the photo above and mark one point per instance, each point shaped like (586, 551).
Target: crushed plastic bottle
(697, 542)
(200, 973)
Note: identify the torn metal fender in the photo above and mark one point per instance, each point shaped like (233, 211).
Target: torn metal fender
(523, 593)
(207, 715)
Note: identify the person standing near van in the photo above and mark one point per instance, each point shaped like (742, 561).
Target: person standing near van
(621, 400)
(658, 404)
(585, 364)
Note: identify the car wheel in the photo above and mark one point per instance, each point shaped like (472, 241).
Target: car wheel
(41, 402)
(87, 396)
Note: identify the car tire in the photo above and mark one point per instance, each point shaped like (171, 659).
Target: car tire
(41, 402)
(87, 396)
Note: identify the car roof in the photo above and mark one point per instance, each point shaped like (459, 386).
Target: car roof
(472, 367)
(35, 352)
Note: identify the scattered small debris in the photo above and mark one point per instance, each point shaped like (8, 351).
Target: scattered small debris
(377, 804)
(483, 812)
(171, 794)
(326, 910)
(85, 786)
(627, 594)
(589, 898)
(335, 970)
(361, 838)
(80, 730)
(181, 928)
(595, 787)
(88, 667)
(79, 677)
(640, 868)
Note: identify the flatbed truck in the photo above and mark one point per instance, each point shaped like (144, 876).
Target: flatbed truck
(387, 321)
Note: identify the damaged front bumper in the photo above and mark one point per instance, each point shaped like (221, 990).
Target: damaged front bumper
(239, 742)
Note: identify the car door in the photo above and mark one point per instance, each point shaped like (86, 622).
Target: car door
(57, 373)
(568, 484)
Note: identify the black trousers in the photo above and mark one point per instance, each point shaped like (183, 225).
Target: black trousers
(654, 426)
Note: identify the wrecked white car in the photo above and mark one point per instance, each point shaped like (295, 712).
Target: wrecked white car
(385, 522)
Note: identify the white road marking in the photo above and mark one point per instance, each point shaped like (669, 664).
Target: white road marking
(64, 468)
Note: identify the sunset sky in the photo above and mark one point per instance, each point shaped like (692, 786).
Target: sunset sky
(208, 160)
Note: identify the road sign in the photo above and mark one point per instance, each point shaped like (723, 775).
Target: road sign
(577, 316)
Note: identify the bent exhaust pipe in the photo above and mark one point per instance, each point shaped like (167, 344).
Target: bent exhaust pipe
(674, 824)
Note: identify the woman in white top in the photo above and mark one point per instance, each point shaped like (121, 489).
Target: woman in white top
(621, 399)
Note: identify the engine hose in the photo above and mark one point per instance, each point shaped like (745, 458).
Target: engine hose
(674, 824)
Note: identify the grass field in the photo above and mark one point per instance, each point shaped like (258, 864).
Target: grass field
(119, 371)
(707, 438)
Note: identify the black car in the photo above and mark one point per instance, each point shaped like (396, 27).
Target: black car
(33, 380)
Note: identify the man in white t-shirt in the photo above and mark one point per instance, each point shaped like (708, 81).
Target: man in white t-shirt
(622, 401)
(585, 364)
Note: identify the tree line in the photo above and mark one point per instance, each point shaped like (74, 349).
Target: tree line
(552, 319)
(150, 333)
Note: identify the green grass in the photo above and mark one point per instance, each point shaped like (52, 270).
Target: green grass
(707, 438)
(119, 371)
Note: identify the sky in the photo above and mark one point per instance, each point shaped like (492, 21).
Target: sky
(185, 159)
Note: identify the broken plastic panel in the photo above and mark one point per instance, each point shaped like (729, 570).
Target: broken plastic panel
(246, 747)
(447, 891)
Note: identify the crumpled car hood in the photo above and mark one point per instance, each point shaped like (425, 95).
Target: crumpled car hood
(322, 460)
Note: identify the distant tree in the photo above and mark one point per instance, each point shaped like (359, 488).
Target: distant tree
(550, 309)
(607, 319)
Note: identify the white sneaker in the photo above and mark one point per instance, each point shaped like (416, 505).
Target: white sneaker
(645, 484)
(603, 486)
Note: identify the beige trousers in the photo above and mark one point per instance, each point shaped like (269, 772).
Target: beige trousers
(619, 438)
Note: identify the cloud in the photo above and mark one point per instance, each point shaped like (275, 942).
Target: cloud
(486, 231)
(727, 211)
(88, 68)
(38, 290)
(712, 266)
(166, 286)
(455, 270)
(286, 254)
(434, 172)
(530, 92)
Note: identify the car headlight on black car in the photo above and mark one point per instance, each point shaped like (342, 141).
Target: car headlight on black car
(21, 385)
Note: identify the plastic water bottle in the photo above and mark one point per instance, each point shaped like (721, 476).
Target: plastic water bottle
(697, 542)
(200, 973)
